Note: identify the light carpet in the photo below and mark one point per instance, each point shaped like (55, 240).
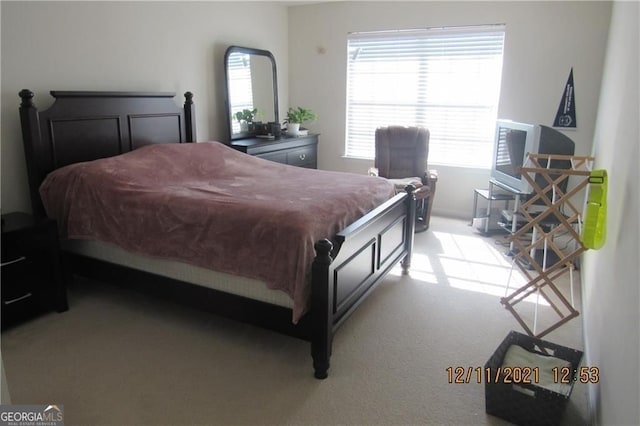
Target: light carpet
(123, 358)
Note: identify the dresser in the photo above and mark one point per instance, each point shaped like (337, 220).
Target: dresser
(301, 151)
(32, 276)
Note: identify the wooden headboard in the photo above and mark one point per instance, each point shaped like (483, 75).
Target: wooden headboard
(85, 126)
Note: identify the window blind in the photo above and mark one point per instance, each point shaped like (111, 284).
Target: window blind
(446, 79)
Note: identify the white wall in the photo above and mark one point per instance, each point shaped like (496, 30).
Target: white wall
(611, 290)
(141, 46)
(544, 40)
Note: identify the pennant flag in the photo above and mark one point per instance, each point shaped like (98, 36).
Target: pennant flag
(566, 115)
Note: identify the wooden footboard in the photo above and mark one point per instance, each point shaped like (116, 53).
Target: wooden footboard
(345, 273)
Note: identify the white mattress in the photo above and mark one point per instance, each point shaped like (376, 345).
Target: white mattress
(233, 284)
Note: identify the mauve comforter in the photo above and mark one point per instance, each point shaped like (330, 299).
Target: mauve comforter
(209, 205)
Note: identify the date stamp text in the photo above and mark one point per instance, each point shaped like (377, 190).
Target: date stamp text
(520, 375)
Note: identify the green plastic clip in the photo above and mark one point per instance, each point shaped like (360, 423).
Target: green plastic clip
(594, 231)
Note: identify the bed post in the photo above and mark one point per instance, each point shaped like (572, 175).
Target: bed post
(411, 226)
(321, 309)
(30, 123)
(189, 117)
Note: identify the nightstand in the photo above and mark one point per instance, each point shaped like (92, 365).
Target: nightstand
(32, 278)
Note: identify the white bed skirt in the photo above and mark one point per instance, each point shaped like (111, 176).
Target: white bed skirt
(240, 286)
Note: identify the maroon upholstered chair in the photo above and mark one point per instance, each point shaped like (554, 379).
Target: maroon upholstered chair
(401, 156)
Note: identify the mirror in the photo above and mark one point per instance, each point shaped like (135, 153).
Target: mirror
(252, 91)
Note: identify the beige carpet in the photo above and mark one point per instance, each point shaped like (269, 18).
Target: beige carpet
(122, 358)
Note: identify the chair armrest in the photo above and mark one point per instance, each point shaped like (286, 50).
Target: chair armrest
(430, 177)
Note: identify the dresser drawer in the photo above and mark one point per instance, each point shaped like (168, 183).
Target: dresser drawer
(303, 157)
(278, 156)
(298, 151)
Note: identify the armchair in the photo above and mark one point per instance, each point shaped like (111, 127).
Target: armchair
(401, 156)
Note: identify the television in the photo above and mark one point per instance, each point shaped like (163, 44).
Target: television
(514, 141)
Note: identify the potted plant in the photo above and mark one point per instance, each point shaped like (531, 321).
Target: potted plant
(297, 116)
(245, 117)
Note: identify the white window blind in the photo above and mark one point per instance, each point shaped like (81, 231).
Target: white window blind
(447, 80)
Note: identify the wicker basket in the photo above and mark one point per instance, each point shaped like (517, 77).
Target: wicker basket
(527, 403)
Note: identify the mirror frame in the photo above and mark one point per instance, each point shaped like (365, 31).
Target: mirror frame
(229, 118)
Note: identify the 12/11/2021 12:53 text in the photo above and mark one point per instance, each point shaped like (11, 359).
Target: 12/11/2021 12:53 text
(525, 375)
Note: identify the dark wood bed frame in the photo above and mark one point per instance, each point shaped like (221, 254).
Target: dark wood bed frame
(83, 126)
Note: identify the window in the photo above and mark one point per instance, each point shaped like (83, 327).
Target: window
(447, 80)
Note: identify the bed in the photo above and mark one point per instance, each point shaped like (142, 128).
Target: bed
(346, 264)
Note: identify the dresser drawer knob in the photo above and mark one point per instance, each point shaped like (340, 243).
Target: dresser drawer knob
(302, 156)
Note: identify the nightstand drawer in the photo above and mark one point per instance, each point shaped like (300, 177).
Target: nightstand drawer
(21, 285)
(22, 272)
(302, 157)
